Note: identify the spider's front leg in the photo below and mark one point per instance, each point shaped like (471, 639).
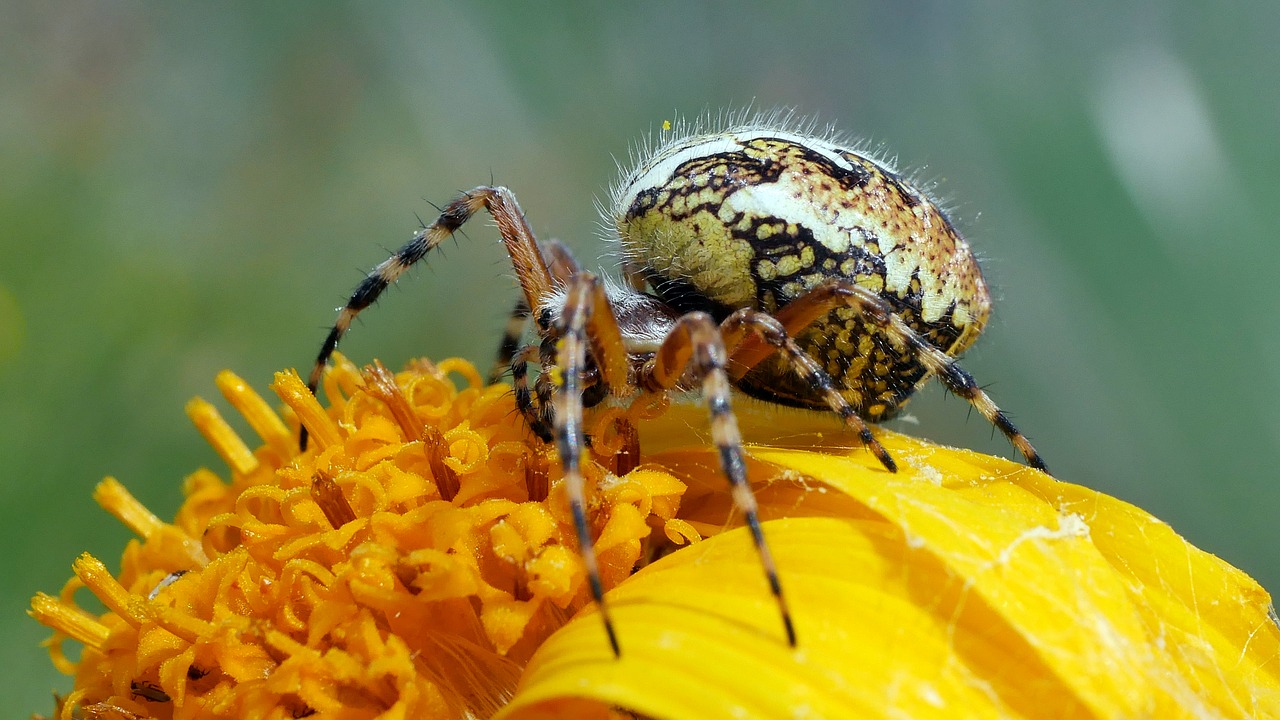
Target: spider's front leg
(586, 322)
(694, 345)
(561, 266)
(535, 278)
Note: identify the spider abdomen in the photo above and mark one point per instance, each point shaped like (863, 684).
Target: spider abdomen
(755, 218)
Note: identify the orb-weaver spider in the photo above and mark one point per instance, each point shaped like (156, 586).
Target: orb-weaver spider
(758, 257)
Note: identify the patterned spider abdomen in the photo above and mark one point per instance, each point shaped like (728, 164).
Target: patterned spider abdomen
(755, 217)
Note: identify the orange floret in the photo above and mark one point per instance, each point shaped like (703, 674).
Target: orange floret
(409, 563)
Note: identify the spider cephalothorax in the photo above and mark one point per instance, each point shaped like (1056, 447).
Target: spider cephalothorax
(756, 256)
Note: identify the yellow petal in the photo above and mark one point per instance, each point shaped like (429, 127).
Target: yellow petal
(962, 586)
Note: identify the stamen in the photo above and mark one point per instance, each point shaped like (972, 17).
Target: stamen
(337, 510)
(256, 412)
(118, 501)
(74, 622)
(294, 393)
(102, 583)
(224, 439)
(115, 499)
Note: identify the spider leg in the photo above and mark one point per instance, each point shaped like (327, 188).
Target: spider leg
(535, 278)
(560, 262)
(562, 266)
(586, 323)
(770, 330)
(519, 369)
(695, 345)
(534, 413)
(837, 293)
(510, 343)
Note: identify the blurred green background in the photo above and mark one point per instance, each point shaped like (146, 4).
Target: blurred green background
(185, 189)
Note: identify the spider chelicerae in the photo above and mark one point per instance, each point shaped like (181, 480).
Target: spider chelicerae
(757, 256)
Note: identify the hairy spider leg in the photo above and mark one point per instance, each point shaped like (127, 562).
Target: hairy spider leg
(535, 279)
(771, 331)
(694, 344)
(608, 371)
(585, 309)
(562, 266)
(536, 414)
(509, 346)
(838, 292)
(560, 262)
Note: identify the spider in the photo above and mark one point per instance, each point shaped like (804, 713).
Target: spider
(757, 256)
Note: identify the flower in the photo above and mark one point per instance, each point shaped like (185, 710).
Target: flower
(418, 562)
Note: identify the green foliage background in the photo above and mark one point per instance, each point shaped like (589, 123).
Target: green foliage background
(188, 188)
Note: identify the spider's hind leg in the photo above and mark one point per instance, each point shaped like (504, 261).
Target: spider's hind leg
(837, 293)
(772, 332)
(586, 323)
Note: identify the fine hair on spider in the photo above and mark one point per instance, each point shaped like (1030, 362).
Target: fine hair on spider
(757, 255)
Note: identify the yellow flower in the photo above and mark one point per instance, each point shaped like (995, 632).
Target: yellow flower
(419, 562)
